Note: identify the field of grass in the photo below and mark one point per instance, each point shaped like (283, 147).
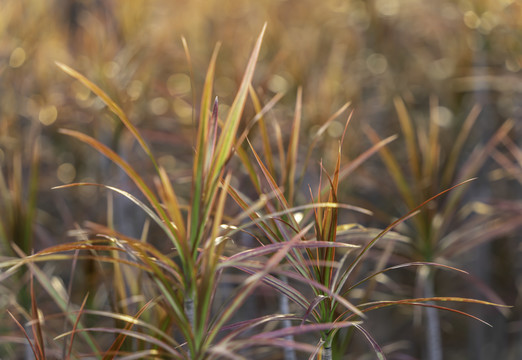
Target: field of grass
(271, 179)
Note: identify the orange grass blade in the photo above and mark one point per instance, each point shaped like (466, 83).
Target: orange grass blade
(112, 106)
(35, 353)
(136, 178)
(291, 154)
(75, 326)
(36, 326)
(394, 169)
(118, 342)
(171, 202)
(456, 149)
(409, 136)
(263, 131)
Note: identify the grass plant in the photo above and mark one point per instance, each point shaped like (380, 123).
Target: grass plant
(450, 226)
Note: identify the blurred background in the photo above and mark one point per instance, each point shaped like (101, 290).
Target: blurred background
(445, 57)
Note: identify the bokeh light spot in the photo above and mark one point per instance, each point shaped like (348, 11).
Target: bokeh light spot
(445, 116)
(471, 19)
(335, 129)
(178, 84)
(377, 64)
(387, 7)
(111, 69)
(488, 21)
(277, 84)
(159, 106)
(135, 89)
(66, 173)
(17, 57)
(182, 109)
(48, 115)
(512, 65)
(224, 86)
(81, 93)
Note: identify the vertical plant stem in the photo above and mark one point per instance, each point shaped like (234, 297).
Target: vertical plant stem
(188, 305)
(327, 352)
(433, 341)
(189, 310)
(284, 308)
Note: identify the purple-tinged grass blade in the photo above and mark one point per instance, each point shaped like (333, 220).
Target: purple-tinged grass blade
(426, 302)
(302, 329)
(410, 214)
(170, 350)
(316, 301)
(378, 351)
(417, 263)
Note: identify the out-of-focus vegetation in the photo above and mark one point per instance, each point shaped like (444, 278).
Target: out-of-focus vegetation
(415, 68)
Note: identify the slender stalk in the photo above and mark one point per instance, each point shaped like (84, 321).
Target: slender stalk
(433, 340)
(189, 310)
(327, 352)
(284, 308)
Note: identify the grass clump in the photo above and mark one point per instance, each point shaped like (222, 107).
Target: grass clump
(164, 304)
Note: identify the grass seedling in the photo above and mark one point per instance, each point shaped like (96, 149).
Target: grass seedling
(320, 268)
(445, 229)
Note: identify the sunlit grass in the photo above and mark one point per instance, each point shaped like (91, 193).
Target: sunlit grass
(290, 175)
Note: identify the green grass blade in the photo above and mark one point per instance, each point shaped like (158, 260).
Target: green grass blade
(201, 158)
(227, 138)
(222, 153)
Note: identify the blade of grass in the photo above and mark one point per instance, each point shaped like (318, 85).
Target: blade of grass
(223, 150)
(36, 324)
(291, 154)
(112, 106)
(75, 326)
(201, 159)
(118, 342)
(456, 150)
(35, 353)
(409, 137)
(411, 213)
(62, 303)
(394, 169)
